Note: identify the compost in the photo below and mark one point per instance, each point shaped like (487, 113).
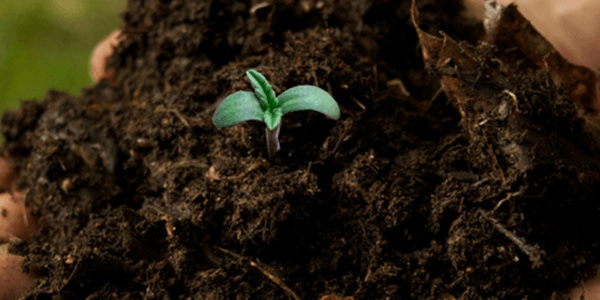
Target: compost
(462, 166)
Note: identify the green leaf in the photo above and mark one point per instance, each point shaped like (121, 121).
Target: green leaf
(263, 89)
(236, 108)
(308, 97)
(272, 118)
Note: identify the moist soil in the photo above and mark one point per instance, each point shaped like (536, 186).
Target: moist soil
(417, 192)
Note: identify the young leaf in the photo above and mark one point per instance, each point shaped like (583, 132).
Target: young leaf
(308, 97)
(263, 89)
(236, 108)
(272, 118)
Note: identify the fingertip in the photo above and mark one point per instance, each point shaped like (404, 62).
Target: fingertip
(588, 289)
(100, 55)
(15, 221)
(13, 281)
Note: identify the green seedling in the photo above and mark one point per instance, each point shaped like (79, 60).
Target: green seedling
(263, 105)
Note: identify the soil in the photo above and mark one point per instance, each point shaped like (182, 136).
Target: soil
(457, 180)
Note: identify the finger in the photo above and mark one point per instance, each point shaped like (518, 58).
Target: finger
(13, 282)
(101, 53)
(7, 173)
(570, 26)
(15, 222)
(588, 290)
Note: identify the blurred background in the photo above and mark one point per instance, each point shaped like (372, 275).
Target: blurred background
(46, 44)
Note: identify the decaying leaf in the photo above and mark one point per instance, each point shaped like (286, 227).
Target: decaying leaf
(509, 31)
(512, 30)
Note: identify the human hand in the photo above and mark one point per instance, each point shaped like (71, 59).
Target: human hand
(15, 220)
(100, 55)
(14, 224)
(571, 26)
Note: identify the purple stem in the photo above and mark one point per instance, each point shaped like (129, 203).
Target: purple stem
(272, 140)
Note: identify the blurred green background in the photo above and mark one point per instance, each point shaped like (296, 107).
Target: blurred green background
(47, 44)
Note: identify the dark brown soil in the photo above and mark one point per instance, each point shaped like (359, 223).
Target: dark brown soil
(412, 194)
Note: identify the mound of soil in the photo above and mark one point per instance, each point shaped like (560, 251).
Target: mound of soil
(487, 190)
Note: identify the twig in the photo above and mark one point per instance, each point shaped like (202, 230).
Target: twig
(168, 221)
(362, 106)
(275, 279)
(169, 226)
(513, 97)
(347, 126)
(508, 197)
(534, 252)
(177, 113)
(258, 6)
(265, 272)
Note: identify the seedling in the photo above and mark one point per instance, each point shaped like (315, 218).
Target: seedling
(263, 105)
